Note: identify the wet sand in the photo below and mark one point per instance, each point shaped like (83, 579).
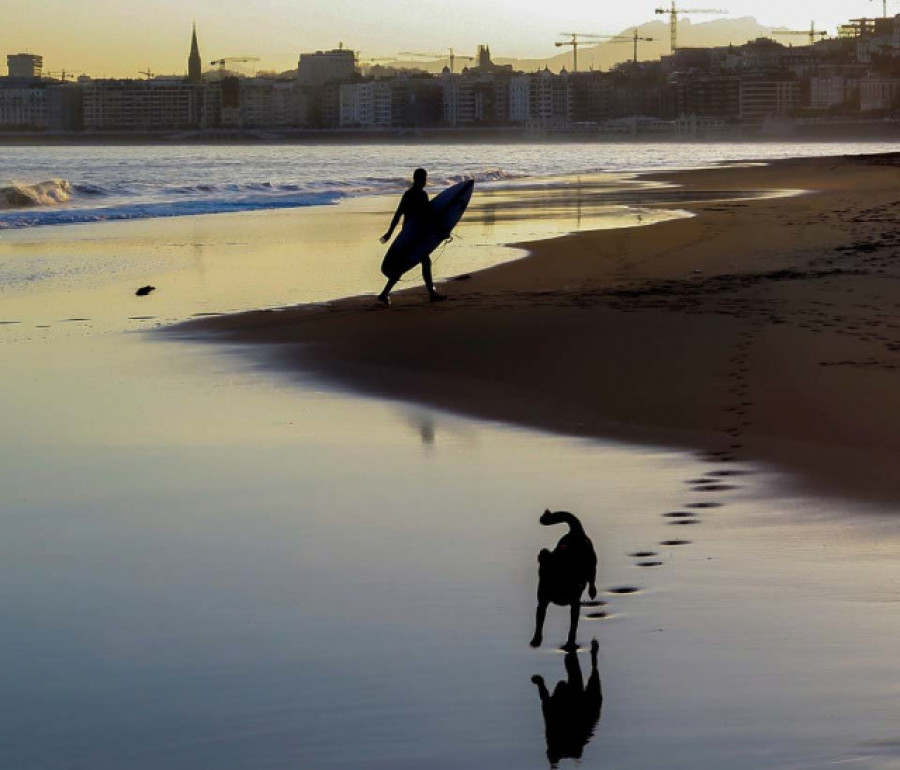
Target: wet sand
(763, 328)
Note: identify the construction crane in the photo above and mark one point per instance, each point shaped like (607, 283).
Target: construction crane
(630, 39)
(883, 9)
(673, 19)
(812, 32)
(230, 59)
(146, 73)
(575, 39)
(64, 75)
(368, 64)
(452, 57)
(575, 42)
(370, 59)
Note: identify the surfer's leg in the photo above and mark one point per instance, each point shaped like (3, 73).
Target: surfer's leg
(429, 283)
(384, 297)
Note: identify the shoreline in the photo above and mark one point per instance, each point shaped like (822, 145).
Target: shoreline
(693, 332)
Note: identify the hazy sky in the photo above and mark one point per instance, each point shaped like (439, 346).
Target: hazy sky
(120, 37)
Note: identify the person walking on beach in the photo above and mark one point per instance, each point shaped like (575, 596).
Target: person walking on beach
(417, 215)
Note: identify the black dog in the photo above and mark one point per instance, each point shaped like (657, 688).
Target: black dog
(564, 573)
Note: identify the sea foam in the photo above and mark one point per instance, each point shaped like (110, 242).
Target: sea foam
(20, 195)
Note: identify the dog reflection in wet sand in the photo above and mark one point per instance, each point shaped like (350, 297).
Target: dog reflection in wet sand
(571, 713)
(563, 574)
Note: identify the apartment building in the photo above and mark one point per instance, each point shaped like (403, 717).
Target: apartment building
(141, 105)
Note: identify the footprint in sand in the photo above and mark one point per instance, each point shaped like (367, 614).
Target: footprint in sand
(703, 505)
(649, 564)
(597, 615)
(593, 603)
(716, 487)
(675, 542)
(679, 515)
(642, 554)
(623, 590)
(723, 458)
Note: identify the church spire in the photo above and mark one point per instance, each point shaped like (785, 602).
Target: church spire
(195, 68)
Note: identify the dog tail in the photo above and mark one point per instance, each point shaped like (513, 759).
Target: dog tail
(562, 517)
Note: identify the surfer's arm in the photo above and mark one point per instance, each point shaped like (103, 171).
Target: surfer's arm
(396, 220)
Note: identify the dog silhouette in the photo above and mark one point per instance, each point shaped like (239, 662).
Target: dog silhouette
(563, 574)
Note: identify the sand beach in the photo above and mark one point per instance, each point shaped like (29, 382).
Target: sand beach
(763, 327)
(250, 524)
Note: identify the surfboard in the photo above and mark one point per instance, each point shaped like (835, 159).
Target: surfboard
(418, 239)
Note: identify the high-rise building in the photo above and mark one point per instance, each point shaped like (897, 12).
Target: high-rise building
(25, 65)
(764, 97)
(195, 68)
(142, 105)
(366, 104)
(325, 66)
(23, 107)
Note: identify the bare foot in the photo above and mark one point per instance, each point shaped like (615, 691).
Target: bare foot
(536, 641)
(384, 300)
(435, 297)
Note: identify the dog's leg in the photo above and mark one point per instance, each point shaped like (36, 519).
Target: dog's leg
(594, 692)
(539, 624)
(574, 613)
(542, 687)
(574, 677)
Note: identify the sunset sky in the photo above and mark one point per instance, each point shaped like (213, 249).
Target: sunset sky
(119, 37)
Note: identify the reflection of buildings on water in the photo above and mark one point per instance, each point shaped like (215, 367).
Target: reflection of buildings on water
(572, 711)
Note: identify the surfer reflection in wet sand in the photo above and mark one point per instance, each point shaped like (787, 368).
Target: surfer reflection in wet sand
(418, 217)
(571, 713)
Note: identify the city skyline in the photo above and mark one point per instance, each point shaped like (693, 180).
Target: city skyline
(118, 41)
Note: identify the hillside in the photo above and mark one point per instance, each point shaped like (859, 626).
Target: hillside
(604, 55)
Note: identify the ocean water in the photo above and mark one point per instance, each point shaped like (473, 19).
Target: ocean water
(42, 186)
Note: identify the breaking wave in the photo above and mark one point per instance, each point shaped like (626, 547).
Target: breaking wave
(489, 175)
(19, 195)
(59, 201)
(150, 210)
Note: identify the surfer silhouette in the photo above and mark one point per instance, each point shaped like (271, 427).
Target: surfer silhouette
(572, 711)
(417, 214)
